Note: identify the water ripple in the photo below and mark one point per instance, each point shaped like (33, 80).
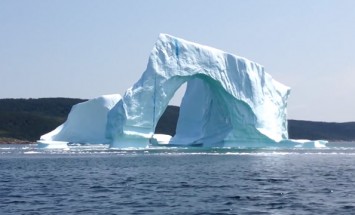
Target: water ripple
(176, 181)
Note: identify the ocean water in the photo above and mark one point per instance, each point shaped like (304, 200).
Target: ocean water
(86, 180)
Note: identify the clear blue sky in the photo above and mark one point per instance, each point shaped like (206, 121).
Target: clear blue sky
(84, 49)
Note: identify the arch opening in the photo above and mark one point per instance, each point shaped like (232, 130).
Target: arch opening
(204, 117)
(168, 120)
(202, 108)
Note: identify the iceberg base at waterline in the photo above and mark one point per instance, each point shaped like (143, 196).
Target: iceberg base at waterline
(229, 101)
(47, 144)
(158, 142)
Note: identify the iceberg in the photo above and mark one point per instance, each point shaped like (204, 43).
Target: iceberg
(229, 101)
(86, 124)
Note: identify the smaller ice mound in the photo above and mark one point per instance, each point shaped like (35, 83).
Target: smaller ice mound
(86, 123)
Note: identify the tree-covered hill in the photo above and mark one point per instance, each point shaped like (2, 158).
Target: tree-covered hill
(300, 129)
(28, 119)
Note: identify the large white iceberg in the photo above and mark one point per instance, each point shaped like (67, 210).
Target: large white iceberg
(229, 101)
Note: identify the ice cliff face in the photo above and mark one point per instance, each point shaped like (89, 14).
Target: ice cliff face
(228, 100)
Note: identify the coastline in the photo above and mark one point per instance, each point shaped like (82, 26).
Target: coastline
(5, 140)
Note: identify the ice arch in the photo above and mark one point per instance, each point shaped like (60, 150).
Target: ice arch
(228, 99)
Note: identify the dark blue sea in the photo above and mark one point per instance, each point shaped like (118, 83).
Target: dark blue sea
(86, 180)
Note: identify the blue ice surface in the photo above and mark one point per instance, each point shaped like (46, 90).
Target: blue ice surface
(177, 47)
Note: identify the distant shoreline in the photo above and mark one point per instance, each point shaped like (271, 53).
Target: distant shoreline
(23, 121)
(14, 141)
